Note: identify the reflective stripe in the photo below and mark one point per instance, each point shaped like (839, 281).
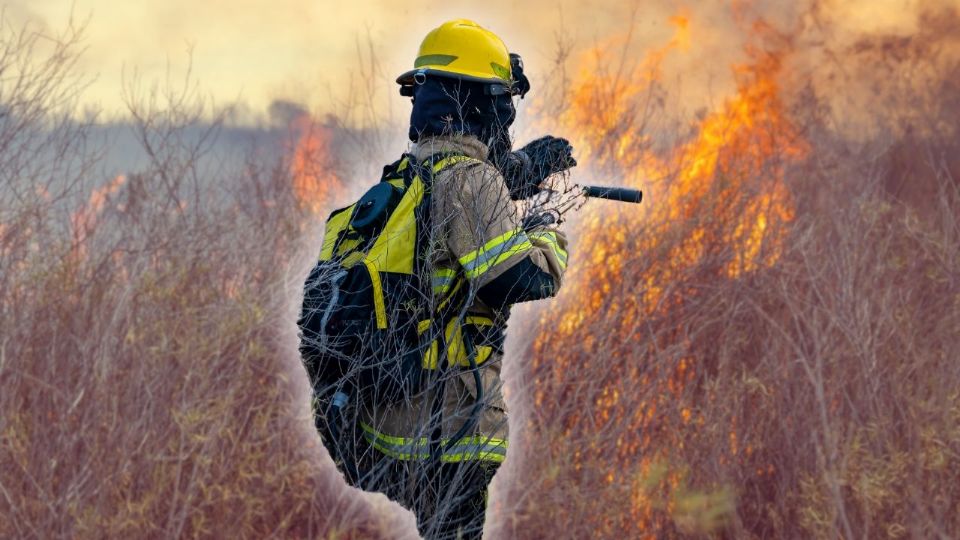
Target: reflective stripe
(442, 280)
(456, 350)
(476, 448)
(478, 320)
(458, 284)
(379, 306)
(476, 263)
(550, 238)
(441, 284)
(452, 160)
(429, 360)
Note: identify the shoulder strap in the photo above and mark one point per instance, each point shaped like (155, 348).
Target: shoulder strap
(428, 167)
(392, 170)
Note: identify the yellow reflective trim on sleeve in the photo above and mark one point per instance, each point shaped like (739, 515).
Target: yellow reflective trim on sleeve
(379, 306)
(470, 257)
(499, 249)
(550, 238)
(442, 280)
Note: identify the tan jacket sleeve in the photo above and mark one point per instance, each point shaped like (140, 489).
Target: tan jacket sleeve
(484, 228)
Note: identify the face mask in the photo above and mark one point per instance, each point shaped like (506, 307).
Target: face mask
(443, 106)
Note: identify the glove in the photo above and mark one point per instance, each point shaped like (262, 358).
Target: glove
(543, 219)
(527, 168)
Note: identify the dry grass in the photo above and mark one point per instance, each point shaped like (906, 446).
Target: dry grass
(814, 396)
(149, 389)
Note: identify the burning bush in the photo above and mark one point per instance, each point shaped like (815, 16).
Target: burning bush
(769, 348)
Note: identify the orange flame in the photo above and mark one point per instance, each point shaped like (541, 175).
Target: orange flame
(747, 139)
(717, 206)
(315, 181)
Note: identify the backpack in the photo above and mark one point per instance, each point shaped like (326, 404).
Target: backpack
(369, 316)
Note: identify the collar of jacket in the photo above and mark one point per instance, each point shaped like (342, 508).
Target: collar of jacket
(467, 145)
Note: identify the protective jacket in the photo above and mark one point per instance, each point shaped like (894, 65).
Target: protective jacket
(481, 250)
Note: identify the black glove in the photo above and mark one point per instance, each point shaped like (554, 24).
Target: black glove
(525, 169)
(543, 219)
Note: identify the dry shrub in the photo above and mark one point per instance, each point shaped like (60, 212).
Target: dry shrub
(147, 390)
(813, 394)
(150, 382)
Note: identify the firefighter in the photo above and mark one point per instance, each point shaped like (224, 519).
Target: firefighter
(436, 451)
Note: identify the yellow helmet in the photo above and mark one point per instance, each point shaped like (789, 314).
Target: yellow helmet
(461, 49)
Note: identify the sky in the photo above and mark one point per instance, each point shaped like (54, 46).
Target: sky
(261, 50)
(317, 52)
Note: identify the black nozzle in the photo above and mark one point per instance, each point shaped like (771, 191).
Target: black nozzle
(614, 193)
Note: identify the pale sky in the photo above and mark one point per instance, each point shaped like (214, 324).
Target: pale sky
(265, 49)
(306, 51)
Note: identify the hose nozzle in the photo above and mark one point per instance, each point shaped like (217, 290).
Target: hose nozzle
(614, 193)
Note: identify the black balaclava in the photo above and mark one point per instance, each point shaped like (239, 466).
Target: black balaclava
(448, 106)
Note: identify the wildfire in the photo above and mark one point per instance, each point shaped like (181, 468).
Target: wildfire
(717, 209)
(747, 139)
(315, 182)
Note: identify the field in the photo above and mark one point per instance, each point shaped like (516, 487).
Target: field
(768, 349)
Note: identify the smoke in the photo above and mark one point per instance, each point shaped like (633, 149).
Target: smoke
(874, 79)
(283, 113)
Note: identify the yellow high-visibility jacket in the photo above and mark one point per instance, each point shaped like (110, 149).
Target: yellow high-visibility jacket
(480, 234)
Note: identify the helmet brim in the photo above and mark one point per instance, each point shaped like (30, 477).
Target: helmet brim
(409, 77)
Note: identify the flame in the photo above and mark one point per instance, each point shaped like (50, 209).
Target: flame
(717, 206)
(315, 181)
(749, 137)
